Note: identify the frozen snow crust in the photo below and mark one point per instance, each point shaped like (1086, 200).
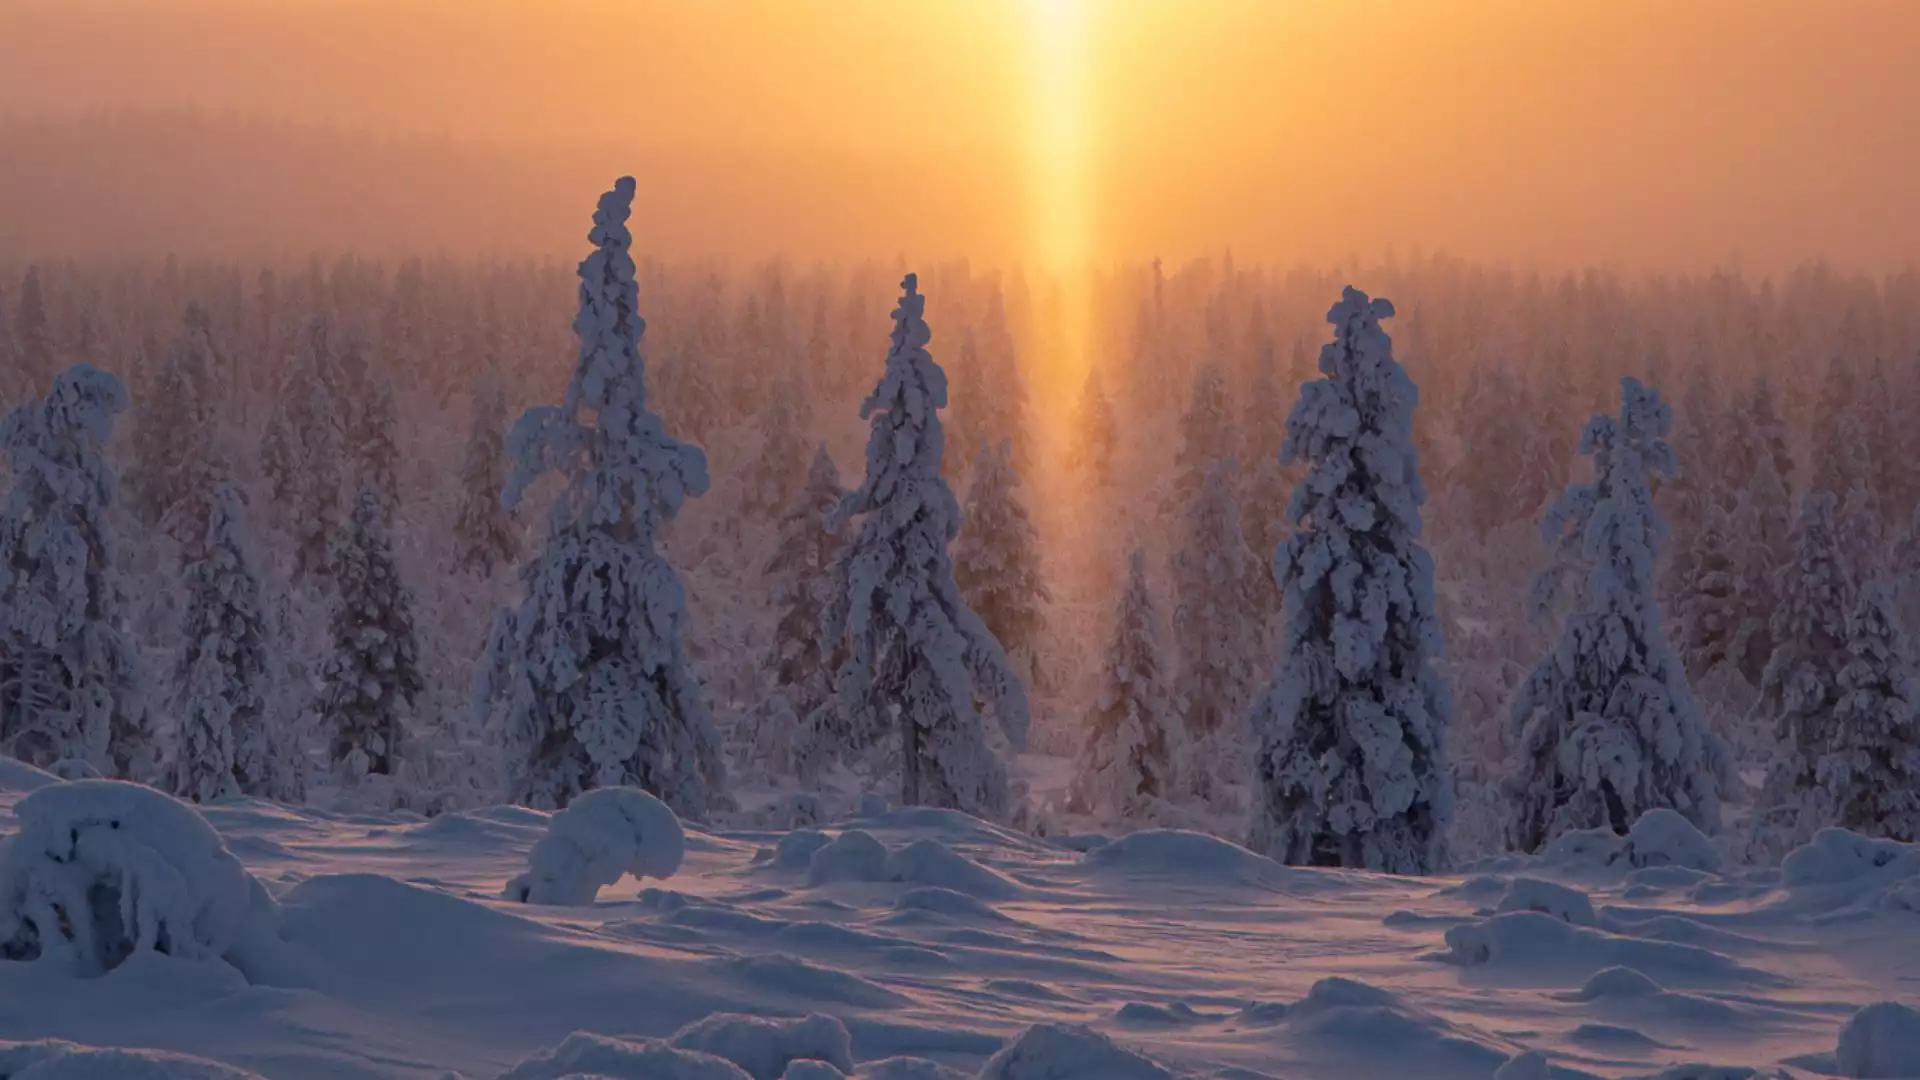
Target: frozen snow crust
(245, 939)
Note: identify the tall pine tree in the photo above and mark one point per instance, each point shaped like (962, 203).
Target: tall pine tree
(600, 691)
(223, 674)
(1352, 766)
(916, 653)
(1606, 721)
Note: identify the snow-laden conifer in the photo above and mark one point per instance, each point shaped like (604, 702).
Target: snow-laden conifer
(600, 691)
(1607, 724)
(1207, 434)
(916, 653)
(1096, 433)
(1800, 687)
(223, 676)
(1352, 764)
(1870, 770)
(483, 530)
(1127, 758)
(372, 676)
(803, 658)
(996, 559)
(1216, 622)
(70, 680)
(779, 470)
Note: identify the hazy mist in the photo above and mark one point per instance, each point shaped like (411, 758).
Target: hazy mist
(1640, 133)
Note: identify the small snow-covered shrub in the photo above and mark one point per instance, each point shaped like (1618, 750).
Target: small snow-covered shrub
(854, 855)
(1069, 1052)
(601, 1057)
(1880, 1042)
(601, 835)
(101, 869)
(1662, 837)
(764, 1047)
(52, 1059)
(1548, 898)
(1836, 856)
(930, 862)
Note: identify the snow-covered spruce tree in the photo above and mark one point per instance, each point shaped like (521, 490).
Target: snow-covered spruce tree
(70, 680)
(222, 677)
(1352, 762)
(1265, 483)
(303, 452)
(1762, 535)
(601, 695)
(916, 654)
(1843, 467)
(1606, 721)
(996, 560)
(1546, 453)
(1493, 427)
(1870, 771)
(803, 658)
(170, 436)
(31, 332)
(1216, 622)
(374, 447)
(1706, 615)
(483, 532)
(1206, 432)
(775, 477)
(372, 677)
(1890, 481)
(1127, 759)
(1750, 430)
(1096, 434)
(1801, 684)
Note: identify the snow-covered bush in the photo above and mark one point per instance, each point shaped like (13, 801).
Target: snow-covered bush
(1880, 1042)
(1549, 898)
(101, 869)
(764, 1047)
(601, 835)
(1606, 720)
(1352, 766)
(1069, 1052)
(599, 693)
(916, 653)
(854, 855)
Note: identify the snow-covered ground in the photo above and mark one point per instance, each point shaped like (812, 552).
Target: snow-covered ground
(930, 935)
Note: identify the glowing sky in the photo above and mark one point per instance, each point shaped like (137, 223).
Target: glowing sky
(1571, 131)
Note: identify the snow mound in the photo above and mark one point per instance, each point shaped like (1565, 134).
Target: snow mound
(871, 806)
(1528, 1065)
(1529, 945)
(603, 834)
(100, 869)
(932, 863)
(947, 902)
(20, 776)
(51, 1059)
(1658, 838)
(794, 851)
(585, 1056)
(854, 855)
(1616, 982)
(1069, 1052)
(794, 810)
(790, 976)
(809, 1069)
(1549, 898)
(1880, 1042)
(764, 1047)
(1344, 1019)
(1193, 857)
(1837, 857)
(909, 1068)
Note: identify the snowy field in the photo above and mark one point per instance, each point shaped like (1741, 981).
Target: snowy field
(941, 946)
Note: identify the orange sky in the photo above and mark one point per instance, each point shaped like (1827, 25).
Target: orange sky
(1673, 133)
